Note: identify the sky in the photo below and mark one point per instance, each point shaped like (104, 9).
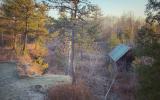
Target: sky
(118, 7)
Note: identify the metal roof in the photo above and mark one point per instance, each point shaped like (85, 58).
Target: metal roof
(119, 51)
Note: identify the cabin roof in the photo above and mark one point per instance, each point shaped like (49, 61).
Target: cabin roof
(119, 51)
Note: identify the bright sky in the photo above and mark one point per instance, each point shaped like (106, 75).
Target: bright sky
(118, 7)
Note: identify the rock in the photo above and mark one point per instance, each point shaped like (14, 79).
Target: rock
(38, 88)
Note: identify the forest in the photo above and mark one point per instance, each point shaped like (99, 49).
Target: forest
(78, 53)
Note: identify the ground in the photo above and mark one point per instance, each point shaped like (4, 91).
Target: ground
(14, 88)
(91, 67)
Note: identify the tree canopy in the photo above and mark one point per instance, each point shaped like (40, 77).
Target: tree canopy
(153, 11)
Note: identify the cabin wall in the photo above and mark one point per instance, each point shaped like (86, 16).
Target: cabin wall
(124, 63)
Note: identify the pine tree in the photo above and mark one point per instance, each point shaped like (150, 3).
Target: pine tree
(77, 10)
(27, 16)
(148, 46)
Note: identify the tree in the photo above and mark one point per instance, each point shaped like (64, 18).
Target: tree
(153, 11)
(77, 9)
(126, 28)
(94, 25)
(148, 47)
(28, 17)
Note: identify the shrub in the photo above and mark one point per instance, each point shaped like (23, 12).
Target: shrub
(70, 92)
(38, 66)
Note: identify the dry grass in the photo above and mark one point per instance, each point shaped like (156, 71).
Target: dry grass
(7, 54)
(37, 50)
(125, 86)
(35, 69)
(70, 92)
(32, 62)
(28, 67)
(25, 59)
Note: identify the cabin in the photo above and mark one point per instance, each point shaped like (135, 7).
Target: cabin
(122, 56)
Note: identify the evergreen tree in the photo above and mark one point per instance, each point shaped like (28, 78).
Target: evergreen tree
(78, 9)
(148, 47)
(153, 11)
(27, 17)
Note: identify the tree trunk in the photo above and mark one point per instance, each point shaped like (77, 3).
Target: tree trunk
(2, 40)
(14, 36)
(24, 42)
(14, 41)
(72, 60)
(15, 44)
(73, 17)
(25, 35)
(69, 57)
